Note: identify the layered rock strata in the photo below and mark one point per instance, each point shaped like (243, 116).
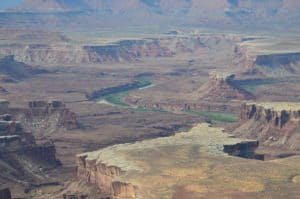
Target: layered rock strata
(152, 168)
(273, 123)
(221, 86)
(46, 116)
(118, 52)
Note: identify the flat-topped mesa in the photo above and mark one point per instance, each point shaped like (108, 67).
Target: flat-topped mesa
(103, 176)
(222, 86)
(116, 52)
(274, 123)
(266, 63)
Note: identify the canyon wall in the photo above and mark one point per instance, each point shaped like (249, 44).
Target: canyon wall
(119, 52)
(274, 124)
(273, 64)
(45, 117)
(222, 86)
(103, 176)
(23, 160)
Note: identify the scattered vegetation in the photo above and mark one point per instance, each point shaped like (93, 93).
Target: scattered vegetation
(216, 116)
(117, 97)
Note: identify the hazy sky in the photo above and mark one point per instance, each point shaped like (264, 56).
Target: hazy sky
(8, 3)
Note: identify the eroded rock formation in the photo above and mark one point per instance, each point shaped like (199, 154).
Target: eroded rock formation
(274, 124)
(22, 159)
(245, 149)
(103, 176)
(273, 64)
(221, 86)
(44, 117)
(118, 52)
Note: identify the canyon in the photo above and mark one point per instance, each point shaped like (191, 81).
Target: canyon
(149, 99)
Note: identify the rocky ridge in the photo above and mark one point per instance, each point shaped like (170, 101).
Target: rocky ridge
(22, 159)
(221, 86)
(45, 117)
(107, 173)
(273, 123)
(267, 64)
(119, 52)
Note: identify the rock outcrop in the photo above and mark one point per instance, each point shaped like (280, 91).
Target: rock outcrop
(273, 64)
(221, 86)
(244, 149)
(157, 167)
(22, 159)
(274, 124)
(103, 176)
(45, 117)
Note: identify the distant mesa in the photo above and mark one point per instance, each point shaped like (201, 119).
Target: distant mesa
(218, 12)
(267, 64)
(222, 86)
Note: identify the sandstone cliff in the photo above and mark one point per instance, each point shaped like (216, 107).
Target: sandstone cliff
(22, 160)
(267, 64)
(118, 52)
(157, 167)
(45, 117)
(274, 124)
(104, 176)
(221, 86)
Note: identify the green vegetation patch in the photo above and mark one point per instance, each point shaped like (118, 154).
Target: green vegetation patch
(216, 116)
(117, 99)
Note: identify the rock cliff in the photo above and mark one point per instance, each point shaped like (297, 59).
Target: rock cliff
(267, 64)
(274, 124)
(221, 86)
(157, 167)
(104, 176)
(22, 159)
(118, 52)
(45, 117)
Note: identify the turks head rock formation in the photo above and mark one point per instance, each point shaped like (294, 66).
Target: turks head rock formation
(222, 86)
(272, 123)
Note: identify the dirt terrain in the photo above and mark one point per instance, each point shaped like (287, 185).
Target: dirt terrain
(156, 112)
